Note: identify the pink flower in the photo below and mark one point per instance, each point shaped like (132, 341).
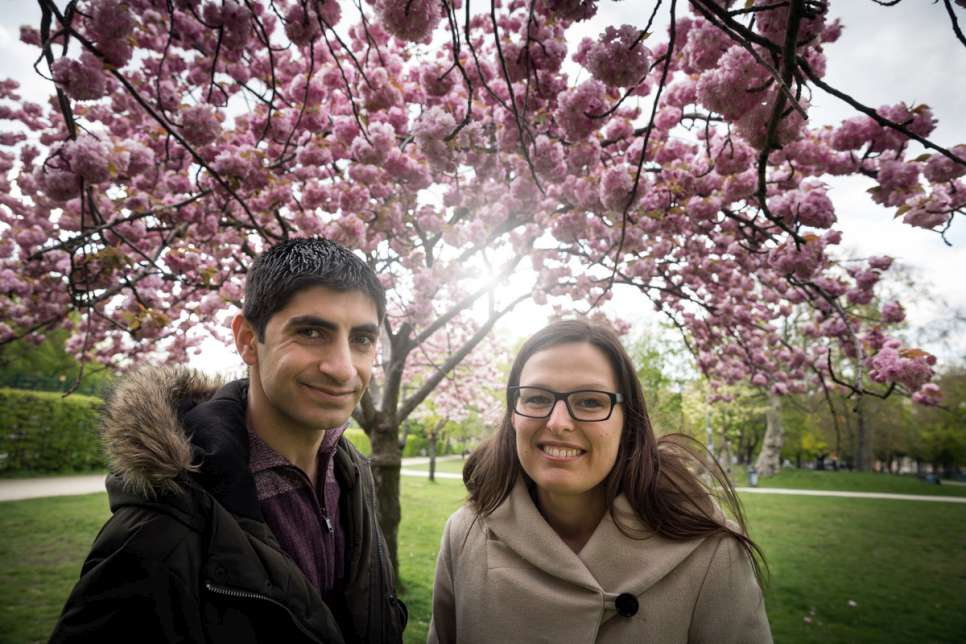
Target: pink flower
(88, 158)
(880, 263)
(734, 86)
(667, 118)
(382, 139)
(30, 35)
(58, 184)
(892, 312)
(802, 261)
(618, 58)
(704, 46)
(82, 79)
(302, 25)
(753, 124)
(199, 124)
(548, 158)
(897, 181)
(928, 394)
(380, 93)
(854, 132)
(911, 368)
(438, 80)
(571, 9)
(615, 187)
(110, 20)
(134, 158)
(731, 155)
(940, 168)
(235, 20)
(574, 106)
(772, 23)
(412, 20)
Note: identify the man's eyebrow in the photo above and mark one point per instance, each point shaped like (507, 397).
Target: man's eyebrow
(311, 321)
(317, 322)
(370, 329)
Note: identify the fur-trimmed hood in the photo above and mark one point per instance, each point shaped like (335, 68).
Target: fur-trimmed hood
(143, 429)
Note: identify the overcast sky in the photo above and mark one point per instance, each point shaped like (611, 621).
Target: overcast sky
(885, 55)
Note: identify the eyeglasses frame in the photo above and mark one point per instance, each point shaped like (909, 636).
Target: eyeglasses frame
(615, 399)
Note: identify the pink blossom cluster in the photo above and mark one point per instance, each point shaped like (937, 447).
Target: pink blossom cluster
(82, 78)
(772, 22)
(911, 368)
(577, 108)
(571, 9)
(618, 58)
(892, 312)
(199, 124)
(940, 168)
(410, 20)
(808, 206)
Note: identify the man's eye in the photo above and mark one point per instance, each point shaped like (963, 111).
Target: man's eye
(311, 334)
(365, 340)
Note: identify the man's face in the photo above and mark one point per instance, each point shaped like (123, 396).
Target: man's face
(315, 361)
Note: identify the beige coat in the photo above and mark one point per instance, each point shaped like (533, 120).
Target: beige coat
(510, 578)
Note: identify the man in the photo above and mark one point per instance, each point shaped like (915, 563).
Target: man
(240, 513)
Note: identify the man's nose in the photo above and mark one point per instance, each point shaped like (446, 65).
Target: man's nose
(337, 362)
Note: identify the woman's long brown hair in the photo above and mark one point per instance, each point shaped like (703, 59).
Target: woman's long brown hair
(662, 479)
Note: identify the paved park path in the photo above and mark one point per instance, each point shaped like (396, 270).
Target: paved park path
(19, 489)
(16, 489)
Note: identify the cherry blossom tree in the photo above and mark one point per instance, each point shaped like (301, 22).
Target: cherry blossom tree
(447, 141)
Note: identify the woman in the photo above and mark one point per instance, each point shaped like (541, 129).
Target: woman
(582, 527)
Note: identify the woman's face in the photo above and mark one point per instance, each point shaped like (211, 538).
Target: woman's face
(564, 456)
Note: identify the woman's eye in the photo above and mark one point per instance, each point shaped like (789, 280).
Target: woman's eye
(537, 401)
(590, 403)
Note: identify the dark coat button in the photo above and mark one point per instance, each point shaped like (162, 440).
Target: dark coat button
(626, 605)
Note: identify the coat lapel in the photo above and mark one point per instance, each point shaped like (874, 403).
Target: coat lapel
(624, 565)
(521, 527)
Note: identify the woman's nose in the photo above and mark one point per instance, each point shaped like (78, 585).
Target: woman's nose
(560, 419)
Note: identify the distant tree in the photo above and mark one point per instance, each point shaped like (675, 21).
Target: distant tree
(46, 364)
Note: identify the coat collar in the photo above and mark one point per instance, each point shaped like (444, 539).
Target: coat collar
(603, 563)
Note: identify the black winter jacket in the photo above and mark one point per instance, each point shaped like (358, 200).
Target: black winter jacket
(187, 557)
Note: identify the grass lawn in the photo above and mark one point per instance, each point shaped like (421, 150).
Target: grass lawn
(846, 481)
(902, 562)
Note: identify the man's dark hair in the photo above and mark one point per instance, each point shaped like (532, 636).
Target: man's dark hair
(290, 266)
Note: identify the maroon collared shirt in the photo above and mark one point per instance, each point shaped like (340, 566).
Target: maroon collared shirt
(303, 517)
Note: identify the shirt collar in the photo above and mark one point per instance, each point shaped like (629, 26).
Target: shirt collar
(261, 455)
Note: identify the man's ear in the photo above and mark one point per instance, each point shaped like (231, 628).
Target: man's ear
(245, 339)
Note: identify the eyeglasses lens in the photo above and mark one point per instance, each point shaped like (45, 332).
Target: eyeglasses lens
(583, 405)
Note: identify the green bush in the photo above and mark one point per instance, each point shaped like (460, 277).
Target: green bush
(358, 437)
(415, 445)
(46, 432)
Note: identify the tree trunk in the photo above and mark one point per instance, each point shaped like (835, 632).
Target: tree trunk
(386, 461)
(433, 441)
(724, 456)
(864, 458)
(769, 459)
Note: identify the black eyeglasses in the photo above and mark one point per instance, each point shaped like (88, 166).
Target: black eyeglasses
(587, 405)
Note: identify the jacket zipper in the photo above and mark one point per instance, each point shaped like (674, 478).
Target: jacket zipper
(235, 593)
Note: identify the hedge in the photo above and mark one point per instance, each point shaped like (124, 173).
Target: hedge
(45, 432)
(357, 437)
